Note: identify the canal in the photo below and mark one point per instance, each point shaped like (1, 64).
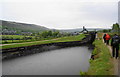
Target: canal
(64, 61)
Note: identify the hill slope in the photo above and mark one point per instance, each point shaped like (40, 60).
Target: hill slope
(21, 27)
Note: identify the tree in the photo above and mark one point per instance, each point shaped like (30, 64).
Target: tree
(56, 34)
(116, 28)
(49, 33)
(44, 34)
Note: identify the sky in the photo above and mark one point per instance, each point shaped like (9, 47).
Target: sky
(61, 14)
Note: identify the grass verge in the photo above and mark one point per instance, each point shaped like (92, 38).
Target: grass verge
(102, 64)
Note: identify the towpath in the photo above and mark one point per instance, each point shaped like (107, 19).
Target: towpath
(116, 62)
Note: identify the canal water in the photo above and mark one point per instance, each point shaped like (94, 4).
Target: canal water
(65, 61)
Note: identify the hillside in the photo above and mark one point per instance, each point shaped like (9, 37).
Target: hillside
(15, 27)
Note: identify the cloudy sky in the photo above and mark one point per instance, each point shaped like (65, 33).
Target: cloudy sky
(61, 14)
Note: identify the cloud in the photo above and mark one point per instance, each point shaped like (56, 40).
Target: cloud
(61, 14)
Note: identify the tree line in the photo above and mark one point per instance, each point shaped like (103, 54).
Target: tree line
(115, 29)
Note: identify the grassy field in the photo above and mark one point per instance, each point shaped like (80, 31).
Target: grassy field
(14, 36)
(102, 64)
(19, 38)
(14, 41)
(62, 39)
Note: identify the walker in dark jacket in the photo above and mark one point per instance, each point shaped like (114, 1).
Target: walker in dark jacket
(104, 38)
(115, 45)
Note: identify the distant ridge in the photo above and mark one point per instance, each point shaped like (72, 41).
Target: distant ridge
(23, 27)
(80, 29)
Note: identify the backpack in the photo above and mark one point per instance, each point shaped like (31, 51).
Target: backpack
(107, 37)
(116, 41)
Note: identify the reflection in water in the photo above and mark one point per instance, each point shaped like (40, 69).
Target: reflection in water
(66, 61)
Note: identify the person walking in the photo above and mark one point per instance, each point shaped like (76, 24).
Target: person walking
(104, 38)
(107, 38)
(115, 45)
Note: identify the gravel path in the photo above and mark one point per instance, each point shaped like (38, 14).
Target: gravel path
(116, 62)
